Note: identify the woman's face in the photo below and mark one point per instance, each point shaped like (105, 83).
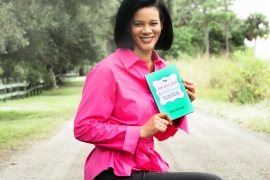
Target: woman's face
(145, 29)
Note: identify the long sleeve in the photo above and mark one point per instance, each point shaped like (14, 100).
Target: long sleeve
(116, 102)
(93, 123)
(180, 123)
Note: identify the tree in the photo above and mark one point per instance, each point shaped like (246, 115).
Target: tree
(171, 6)
(11, 33)
(256, 25)
(212, 19)
(217, 36)
(226, 17)
(54, 37)
(205, 14)
(197, 14)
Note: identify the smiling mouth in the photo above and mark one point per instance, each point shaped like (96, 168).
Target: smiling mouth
(148, 39)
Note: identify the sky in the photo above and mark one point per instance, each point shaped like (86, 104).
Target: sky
(245, 7)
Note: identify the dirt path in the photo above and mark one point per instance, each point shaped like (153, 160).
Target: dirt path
(213, 145)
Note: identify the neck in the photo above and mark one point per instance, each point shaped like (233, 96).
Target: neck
(145, 56)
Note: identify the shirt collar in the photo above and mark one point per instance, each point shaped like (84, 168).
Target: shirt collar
(128, 57)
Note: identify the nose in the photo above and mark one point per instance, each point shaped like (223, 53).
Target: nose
(146, 29)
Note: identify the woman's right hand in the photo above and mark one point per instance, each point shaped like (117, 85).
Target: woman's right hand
(157, 123)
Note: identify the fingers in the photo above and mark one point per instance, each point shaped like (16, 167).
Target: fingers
(188, 85)
(165, 117)
(190, 89)
(192, 96)
(186, 81)
(162, 128)
(157, 123)
(161, 125)
(162, 122)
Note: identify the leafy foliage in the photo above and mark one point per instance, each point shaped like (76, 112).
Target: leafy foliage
(255, 25)
(245, 78)
(11, 33)
(53, 37)
(186, 41)
(43, 38)
(215, 23)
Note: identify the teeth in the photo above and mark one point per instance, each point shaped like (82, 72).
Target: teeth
(147, 39)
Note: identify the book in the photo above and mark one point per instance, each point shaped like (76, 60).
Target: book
(169, 92)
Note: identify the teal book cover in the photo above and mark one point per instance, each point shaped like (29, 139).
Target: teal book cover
(169, 92)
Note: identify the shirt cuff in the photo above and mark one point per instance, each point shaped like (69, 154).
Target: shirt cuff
(181, 123)
(131, 139)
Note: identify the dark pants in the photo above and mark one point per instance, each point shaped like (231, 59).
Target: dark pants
(109, 175)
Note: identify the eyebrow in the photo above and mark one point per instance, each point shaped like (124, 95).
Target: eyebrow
(142, 21)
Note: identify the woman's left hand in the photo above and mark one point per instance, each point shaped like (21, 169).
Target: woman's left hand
(190, 89)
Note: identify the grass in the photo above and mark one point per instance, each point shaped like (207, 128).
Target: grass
(40, 116)
(37, 117)
(214, 100)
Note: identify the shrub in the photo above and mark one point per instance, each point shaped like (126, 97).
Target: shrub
(245, 78)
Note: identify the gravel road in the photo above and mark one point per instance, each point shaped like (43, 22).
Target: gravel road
(214, 145)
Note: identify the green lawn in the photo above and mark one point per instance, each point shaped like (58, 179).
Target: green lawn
(37, 117)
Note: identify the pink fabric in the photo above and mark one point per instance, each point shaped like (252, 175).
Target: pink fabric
(148, 159)
(116, 102)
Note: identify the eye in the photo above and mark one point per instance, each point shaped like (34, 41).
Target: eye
(153, 23)
(138, 24)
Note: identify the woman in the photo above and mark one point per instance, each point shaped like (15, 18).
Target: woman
(117, 112)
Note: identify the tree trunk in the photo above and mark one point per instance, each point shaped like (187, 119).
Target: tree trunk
(227, 39)
(206, 40)
(226, 31)
(171, 8)
(255, 43)
(52, 81)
